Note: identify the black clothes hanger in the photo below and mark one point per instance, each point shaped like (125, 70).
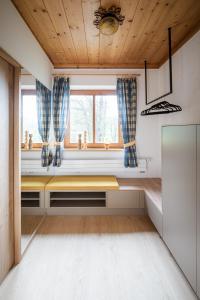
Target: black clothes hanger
(163, 107)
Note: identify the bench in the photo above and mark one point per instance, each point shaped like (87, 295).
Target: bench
(93, 195)
(152, 197)
(33, 194)
(89, 195)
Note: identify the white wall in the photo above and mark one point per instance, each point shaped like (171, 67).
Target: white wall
(27, 82)
(17, 40)
(186, 93)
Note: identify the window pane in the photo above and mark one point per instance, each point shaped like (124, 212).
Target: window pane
(106, 119)
(81, 117)
(29, 117)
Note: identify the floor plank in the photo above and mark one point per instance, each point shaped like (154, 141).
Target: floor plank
(96, 258)
(29, 225)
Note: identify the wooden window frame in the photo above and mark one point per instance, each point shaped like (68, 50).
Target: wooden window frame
(93, 93)
(27, 92)
(67, 143)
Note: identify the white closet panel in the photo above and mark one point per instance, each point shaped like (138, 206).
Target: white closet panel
(179, 196)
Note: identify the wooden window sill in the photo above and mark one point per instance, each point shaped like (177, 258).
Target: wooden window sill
(75, 149)
(93, 149)
(33, 149)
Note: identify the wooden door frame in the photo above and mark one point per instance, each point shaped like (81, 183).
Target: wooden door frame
(16, 155)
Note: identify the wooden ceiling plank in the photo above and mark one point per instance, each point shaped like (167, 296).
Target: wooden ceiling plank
(183, 10)
(40, 14)
(65, 30)
(44, 24)
(162, 53)
(74, 14)
(187, 37)
(33, 25)
(169, 19)
(159, 16)
(106, 41)
(142, 15)
(92, 33)
(57, 14)
(128, 8)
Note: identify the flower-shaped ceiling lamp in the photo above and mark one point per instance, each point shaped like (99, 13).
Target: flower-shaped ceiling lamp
(108, 20)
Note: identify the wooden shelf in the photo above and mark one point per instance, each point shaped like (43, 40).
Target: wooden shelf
(77, 199)
(78, 203)
(30, 203)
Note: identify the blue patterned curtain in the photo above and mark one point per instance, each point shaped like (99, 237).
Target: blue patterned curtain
(127, 105)
(43, 99)
(61, 92)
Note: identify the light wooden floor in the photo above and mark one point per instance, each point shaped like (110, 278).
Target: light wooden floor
(29, 225)
(96, 258)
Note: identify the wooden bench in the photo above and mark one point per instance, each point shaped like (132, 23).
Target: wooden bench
(93, 195)
(152, 197)
(33, 194)
(83, 183)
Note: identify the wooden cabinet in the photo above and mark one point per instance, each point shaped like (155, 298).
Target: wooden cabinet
(179, 184)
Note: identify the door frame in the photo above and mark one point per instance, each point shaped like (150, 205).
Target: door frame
(16, 155)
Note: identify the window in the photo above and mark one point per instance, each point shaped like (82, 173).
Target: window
(81, 117)
(96, 113)
(29, 119)
(93, 112)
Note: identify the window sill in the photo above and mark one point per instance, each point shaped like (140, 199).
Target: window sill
(74, 149)
(93, 149)
(29, 150)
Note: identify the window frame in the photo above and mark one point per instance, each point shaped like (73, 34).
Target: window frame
(67, 144)
(93, 93)
(25, 92)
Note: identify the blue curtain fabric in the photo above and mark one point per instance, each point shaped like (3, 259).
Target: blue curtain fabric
(127, 105)
(61, 93)
(43, 99)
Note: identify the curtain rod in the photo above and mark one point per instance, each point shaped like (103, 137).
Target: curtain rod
(126, 75)
(68, 75)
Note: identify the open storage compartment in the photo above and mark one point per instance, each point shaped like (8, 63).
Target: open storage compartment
(77, 199)
(30, 199)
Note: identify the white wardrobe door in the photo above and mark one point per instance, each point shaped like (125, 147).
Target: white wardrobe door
(198, 210)
(179, 196)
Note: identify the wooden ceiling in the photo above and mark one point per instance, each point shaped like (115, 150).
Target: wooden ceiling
(65, 30)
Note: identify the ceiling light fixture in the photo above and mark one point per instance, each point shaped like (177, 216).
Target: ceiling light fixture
(108, 20)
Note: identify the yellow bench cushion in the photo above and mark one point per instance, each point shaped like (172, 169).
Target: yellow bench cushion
(34, 182)
(86, 183)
